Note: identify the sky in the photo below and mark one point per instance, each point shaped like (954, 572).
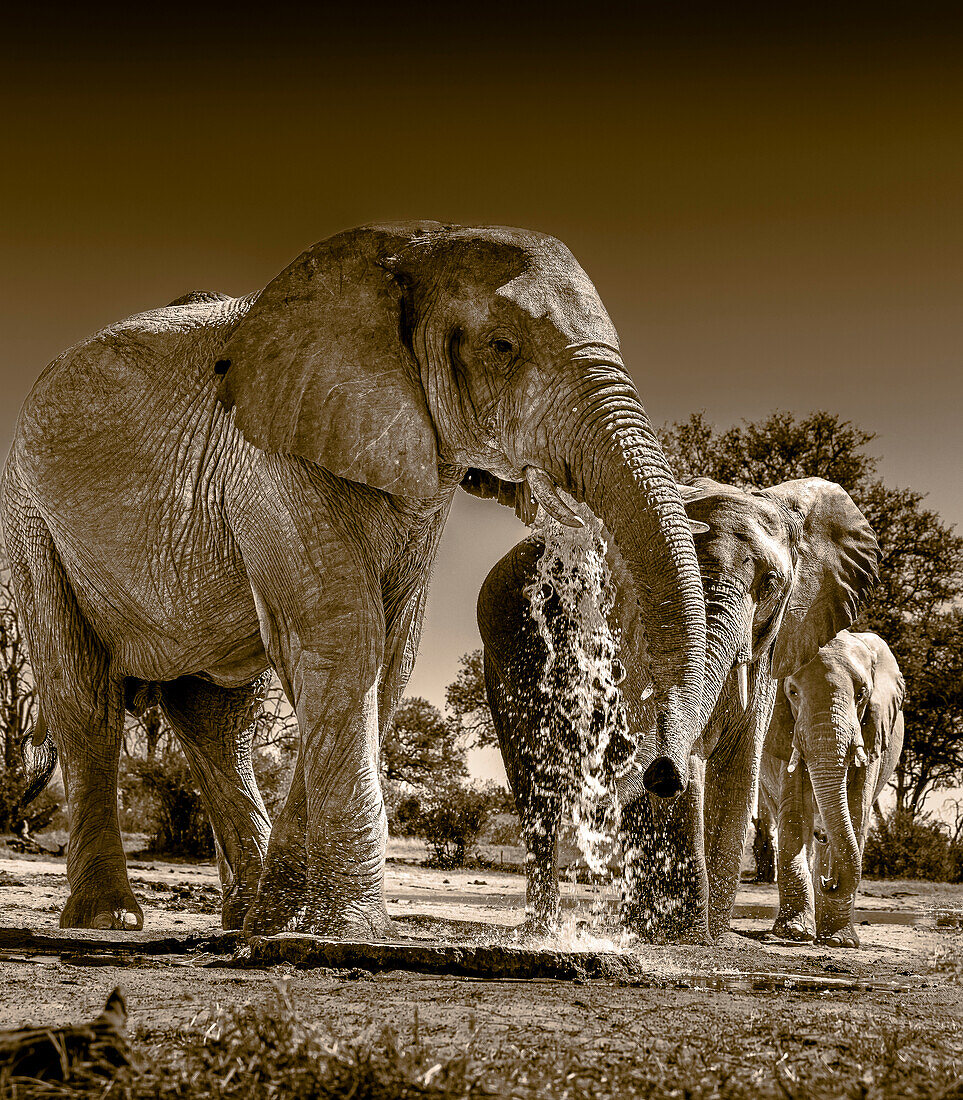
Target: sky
(771, 211)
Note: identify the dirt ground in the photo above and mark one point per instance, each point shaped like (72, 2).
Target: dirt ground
(709, 1013)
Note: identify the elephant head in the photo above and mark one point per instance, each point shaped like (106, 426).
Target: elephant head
(784, 569)
(401, 356)
(835, 713)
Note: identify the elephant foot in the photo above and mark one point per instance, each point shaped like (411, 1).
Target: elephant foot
(352, 923)
(235, 907)
(536, 928)
(114, 910)
(841, 937)
(268, 918)
(796, 929)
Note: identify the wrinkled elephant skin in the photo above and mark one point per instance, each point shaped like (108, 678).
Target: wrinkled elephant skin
(833, 743)
(783, 569)
(224, 485)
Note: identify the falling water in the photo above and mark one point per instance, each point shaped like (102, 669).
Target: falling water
(570, 599)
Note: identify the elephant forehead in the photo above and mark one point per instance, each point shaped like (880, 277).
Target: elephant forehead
(741, 526)
(843, 659)
(564, 295)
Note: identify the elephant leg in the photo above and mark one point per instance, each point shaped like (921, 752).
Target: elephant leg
(213, 725)
(730, 786)
(280, 900)
(325, 636)
(83, 706)
(537, 800)
(796, 919)
(664, 883)
(835, 911)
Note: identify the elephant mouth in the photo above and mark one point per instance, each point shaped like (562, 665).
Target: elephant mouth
(663, 778)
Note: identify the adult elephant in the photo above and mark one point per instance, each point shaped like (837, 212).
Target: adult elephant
(226, 484)
(784, 569)
(835, 738)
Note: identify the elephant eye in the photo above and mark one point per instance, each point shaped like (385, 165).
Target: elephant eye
(502, 348)
(768, 585)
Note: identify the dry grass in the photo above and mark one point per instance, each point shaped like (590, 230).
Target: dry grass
(787, 1052)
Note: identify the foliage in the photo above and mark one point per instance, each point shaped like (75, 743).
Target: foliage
(768, 451)
(18, 713)
(466, 700)
(900, 845)
(420, 747)
(921, 567)
(451, 820)
(160, 790)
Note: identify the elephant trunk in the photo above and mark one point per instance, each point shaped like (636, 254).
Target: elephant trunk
(616, 466)
(728, 637)
(829, 780)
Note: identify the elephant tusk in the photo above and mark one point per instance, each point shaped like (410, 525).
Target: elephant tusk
(546, 493)
(742, 681)
(794, 760)
(860, 758)
(697, 527)
(525, 505)
(39, 732)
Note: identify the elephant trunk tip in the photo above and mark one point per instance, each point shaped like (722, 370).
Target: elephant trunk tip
(664, 778)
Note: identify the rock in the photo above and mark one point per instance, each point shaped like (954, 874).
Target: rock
(483, 960)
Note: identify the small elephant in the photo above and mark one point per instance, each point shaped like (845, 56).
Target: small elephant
(784, 569)
(835, 738)
(224, 485)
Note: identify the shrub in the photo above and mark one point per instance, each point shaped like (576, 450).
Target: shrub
(451, 822)
(902, 846)
(33, 818)
(161, 792)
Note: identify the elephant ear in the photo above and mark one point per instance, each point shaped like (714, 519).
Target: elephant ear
(886, 698)
(837, 561)
(779, 735)
(319, 366)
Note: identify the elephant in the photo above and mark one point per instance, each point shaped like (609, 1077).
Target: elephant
(784, 569)
(835, 738)
(225, 485)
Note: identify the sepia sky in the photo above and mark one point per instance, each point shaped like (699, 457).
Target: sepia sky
(773, 213)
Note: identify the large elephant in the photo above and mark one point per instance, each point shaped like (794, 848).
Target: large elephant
(784, 569)
(836, 736)
(226, 484)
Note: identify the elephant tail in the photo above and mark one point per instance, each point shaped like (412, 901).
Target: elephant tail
(39, 753)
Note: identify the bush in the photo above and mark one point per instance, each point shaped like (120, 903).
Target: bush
(159, 794)
(451, 822)
(902, 846)
(33, 818)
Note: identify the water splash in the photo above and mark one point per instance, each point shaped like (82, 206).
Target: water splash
(570, 600)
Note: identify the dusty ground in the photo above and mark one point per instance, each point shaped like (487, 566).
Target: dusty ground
(903, 1037)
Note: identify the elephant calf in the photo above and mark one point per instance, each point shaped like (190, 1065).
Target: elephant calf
(835, 738)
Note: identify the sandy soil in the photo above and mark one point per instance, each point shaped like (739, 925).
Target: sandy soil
(916, 967)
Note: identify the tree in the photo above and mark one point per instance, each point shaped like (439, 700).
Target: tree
(933, 711)
(921, 566)
(18, 714)
(18, 700)
(421, 748)
(768, 451)
(468, 703)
